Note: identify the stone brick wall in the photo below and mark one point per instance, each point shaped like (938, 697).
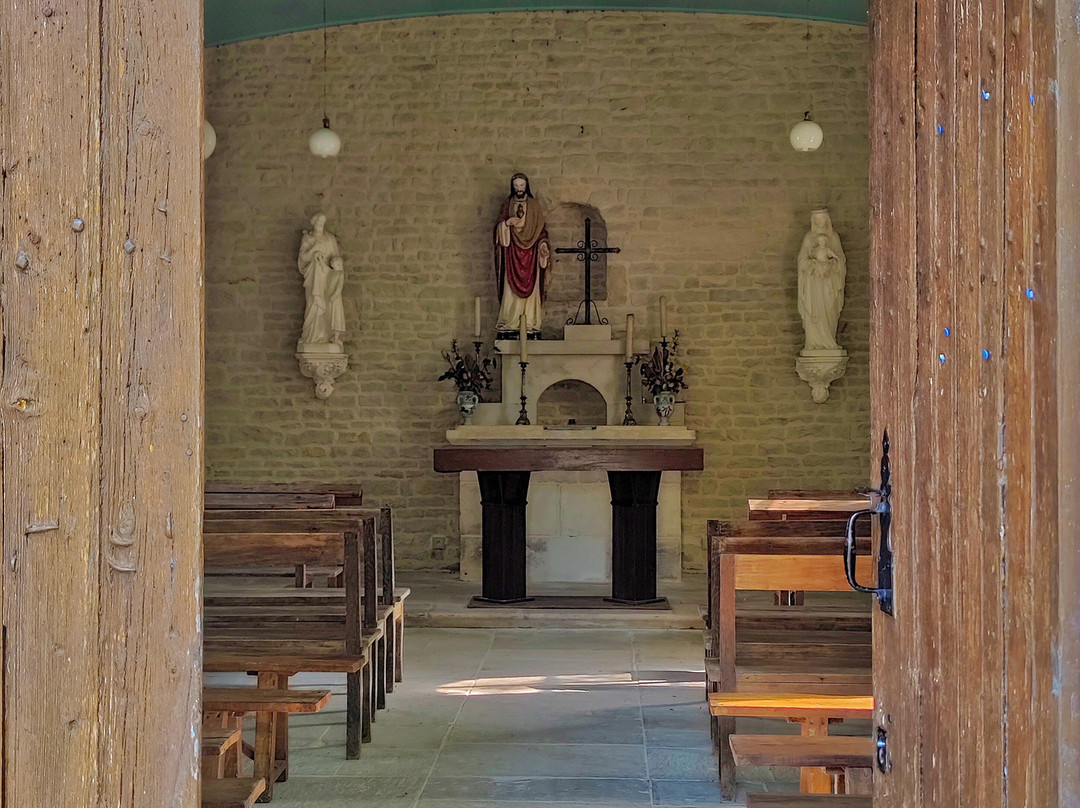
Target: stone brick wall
(673, 126)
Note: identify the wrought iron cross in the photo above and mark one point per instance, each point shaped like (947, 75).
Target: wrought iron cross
(588, 251)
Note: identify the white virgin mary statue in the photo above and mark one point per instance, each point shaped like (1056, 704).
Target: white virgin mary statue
(822, 272)
(323, 270)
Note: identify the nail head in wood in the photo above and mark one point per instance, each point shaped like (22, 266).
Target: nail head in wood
(129, 246)
(77, 225)
(47, 11)
(22, 260)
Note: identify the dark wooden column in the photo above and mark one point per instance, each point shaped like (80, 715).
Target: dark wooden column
(633, 536)
(503, 497)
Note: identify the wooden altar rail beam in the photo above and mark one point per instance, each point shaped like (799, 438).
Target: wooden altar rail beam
(683, 458)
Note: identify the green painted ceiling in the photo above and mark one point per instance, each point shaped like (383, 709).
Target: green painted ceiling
(236, 20)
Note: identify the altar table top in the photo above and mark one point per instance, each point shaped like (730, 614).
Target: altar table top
(570, 458)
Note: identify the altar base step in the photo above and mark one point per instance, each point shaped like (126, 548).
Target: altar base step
(571, 602)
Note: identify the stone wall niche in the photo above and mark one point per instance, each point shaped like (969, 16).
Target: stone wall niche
(571, 402)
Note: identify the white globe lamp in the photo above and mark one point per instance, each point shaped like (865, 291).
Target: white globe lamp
(324, 142)
(209, 137)
(806, 135)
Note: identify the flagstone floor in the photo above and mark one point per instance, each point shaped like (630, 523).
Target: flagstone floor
(525, 718)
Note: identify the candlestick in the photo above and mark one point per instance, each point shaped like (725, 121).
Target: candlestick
(523, 416)
(523, 337)
(476, 308)
(663, 318)
(629, 337)
(628, 416)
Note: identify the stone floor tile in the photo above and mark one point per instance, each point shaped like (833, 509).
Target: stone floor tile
(676, 716)
(679, 738)
(348, 792)
(321, 762)
(564, 641)
(379, 760)
(440, 803)
(687, 794)
(578, 791)
(541, 760)
(669, 763)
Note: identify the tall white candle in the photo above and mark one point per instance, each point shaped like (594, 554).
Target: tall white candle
(629, 337)
(524, 339)
(663, 318)
(477, 319)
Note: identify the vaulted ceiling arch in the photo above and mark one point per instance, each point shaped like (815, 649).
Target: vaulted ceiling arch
(238, 20)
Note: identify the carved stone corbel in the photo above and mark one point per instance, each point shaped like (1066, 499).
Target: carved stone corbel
(323, 367)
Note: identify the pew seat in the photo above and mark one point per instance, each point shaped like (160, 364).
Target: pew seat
(808, 801)
(232, 792)
(218, 745)
(803, 707)
(271, 702)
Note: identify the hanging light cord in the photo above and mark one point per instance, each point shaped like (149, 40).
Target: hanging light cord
(326, 120)
(809, 89)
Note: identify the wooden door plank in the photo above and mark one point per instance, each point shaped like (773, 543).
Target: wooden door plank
(152, 410)
(977, 498)
(935, 394)
(51, 398)
(892, 371)
(1067, 207)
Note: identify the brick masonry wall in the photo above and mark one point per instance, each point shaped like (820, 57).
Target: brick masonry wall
(673, 126)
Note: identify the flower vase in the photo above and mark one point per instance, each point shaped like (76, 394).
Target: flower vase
(665, 405)
(467, 401)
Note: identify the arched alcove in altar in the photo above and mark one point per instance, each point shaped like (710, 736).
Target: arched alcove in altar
(571, 401)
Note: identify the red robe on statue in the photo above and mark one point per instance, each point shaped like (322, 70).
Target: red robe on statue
(518, 265)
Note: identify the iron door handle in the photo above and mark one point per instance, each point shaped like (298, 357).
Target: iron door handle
(883, 510)
(851, 553)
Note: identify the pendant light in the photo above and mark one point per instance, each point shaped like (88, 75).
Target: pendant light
(209, 137)
(806, 135)
(324, 142)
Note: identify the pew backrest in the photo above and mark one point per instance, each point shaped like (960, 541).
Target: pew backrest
(345, 537)
(273, 496)
(770, 556)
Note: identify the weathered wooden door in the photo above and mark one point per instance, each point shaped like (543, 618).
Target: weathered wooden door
(964, 203)
(100, 402)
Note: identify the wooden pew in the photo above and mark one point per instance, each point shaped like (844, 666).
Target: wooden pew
(283, 496)
(322, 496)
(219, 749)
(808, 801)
(390, 609)
(263, 496)
(816, 649)
(848, 760)
(813, 713)
(271, 704)
(232, 792)
(289, 631)
(803, 507)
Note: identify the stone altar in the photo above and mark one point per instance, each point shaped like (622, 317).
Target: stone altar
(569, 512)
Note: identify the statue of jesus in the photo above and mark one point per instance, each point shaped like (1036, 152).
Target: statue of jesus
(522, 254)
